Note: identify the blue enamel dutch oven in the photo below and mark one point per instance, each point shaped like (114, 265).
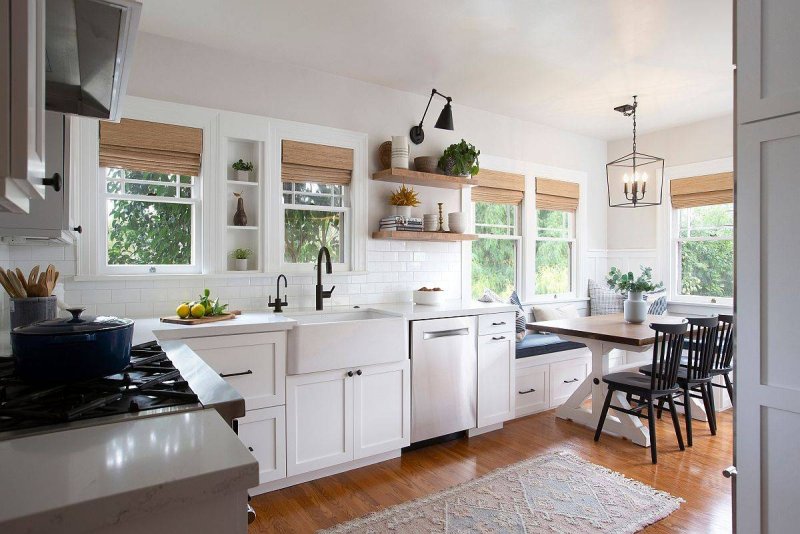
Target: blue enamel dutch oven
(66, 350)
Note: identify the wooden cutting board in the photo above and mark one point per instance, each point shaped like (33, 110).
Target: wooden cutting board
(210, 319)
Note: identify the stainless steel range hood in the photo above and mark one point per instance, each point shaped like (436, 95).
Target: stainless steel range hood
(89, 45)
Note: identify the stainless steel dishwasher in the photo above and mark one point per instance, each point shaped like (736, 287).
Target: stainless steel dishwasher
(444, 377)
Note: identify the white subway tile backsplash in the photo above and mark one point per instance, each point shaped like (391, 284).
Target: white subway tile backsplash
(125, 295)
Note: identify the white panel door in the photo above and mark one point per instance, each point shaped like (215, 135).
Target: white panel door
(264, 434)
(767, 388)
(496, 370)
(381, 408)
(768, 73)
(254, 364)
(319, 421)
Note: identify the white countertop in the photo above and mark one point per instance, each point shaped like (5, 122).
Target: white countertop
(91, 477)
(257, 321)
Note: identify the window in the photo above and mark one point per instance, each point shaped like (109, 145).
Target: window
(314, 215)
(555, 246)
(151, 221)
(495, 253)
(704, 251)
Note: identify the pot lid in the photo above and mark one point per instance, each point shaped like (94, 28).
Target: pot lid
(77, 324)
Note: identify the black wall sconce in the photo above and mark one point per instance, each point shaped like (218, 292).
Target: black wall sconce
(445, 121)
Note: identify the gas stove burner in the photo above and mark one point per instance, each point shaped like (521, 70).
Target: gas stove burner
(150, 383)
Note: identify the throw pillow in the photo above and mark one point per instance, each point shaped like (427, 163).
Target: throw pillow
(658, 307)
(520, 320)
(602, 300)
(551, 313)
(490, 296)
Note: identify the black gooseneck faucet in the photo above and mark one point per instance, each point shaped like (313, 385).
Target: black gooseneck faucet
(322, 294)
(278, 305)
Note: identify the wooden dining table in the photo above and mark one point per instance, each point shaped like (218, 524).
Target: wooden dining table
(601, 334)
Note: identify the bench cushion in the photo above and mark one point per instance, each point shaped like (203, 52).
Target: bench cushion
(538, 344)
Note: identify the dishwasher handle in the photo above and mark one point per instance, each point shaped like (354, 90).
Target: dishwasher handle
(446, 333)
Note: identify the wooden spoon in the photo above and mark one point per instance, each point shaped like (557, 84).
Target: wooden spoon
(6, 285)
(16, 284)
(50, 279)
(32, 276)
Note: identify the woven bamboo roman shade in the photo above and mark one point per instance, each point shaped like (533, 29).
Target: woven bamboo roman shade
(307, 162)
(556, 195)
(151, 147)
(702, 190)
(498, 187)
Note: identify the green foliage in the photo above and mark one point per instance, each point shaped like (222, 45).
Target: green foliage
(553, 261)
(148, 233)
(624, 282)
(464, 157)
(707, 265)
(494, 266)
(308, 230)
(241, 253)
(242, 166)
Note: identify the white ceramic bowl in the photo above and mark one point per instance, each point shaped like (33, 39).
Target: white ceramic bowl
(457, 222)
(428, 298)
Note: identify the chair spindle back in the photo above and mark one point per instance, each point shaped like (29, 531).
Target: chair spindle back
(667, 355)
(702, 346)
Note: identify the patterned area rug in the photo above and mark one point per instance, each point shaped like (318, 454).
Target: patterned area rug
(556, 492)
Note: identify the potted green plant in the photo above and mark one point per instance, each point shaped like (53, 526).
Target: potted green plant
(460, 159)
(634, 307)
(243, 170)
(403, 199)
(240, 257)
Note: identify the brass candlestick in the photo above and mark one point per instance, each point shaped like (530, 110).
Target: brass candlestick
(441, 218)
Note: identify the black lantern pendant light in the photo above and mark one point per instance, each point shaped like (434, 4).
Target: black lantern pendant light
(445, 121)
(629, 176)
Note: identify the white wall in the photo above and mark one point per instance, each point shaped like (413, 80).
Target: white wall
(706, 140)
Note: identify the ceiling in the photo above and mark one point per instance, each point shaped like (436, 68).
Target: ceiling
(562, 63)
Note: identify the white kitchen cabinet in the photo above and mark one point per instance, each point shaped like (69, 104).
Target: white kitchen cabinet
(254, 364)
(333, 417)
(264, 433)
(496, 377)
(565, 377)
(22, 137)
(382, 408)
(319, 420)
(533, 390)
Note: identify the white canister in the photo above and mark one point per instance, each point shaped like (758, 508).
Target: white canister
(400, 151)
(402, 211)
(634, 308)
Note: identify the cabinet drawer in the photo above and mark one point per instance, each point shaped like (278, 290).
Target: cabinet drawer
(532, 388)
(254, 364)
(494, 323)
(565, 377)
(264, 433)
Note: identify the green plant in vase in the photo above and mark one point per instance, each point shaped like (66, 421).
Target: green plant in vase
(460, 159)
(243, 170)
(240, 257)
(634, 307)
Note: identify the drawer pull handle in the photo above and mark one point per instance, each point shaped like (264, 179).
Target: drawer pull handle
(570, 381)
(526, 392)
(250, 449)
(446, 333)
(500, 323)
(226, 375)
(498, 338)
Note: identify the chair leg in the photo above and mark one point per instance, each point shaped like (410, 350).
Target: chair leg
(708, 407)
(729, 386)
(712, 415)
(675, 422)
(660, 407)
(687, 409)
(651, 422)
(603, 414)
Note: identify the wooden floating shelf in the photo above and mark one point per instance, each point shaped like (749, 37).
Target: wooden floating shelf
(427, 179)
(399, 235)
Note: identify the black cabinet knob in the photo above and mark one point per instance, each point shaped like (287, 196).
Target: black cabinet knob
(358, 372)
(54, 182)
(349, 373)
(250, 449)
(78, 229)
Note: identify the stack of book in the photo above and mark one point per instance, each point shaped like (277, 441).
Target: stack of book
(405, 224)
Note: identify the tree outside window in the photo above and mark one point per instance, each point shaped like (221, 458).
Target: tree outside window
(705, 251)
(314, 216)
(495, 252)
(555, 243)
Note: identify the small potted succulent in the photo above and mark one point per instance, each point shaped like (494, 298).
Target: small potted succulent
(240, 257)
(460, 159)
(243, 170)
(634, 307)
(403, 199)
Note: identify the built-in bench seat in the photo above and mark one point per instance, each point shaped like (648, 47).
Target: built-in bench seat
(538, 344)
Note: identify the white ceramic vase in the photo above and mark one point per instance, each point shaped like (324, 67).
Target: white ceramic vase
(400, 152)
(243, 176)
(634, 308)
(240, 265)
(402, 211)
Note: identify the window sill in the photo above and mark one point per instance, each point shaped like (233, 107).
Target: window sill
(175, 276)
(560, 300)
(696, 304)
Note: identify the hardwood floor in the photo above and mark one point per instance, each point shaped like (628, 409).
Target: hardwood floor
(694, 474)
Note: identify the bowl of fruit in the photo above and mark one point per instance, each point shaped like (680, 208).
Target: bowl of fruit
(429, 296)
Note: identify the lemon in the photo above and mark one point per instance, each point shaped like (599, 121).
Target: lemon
(183, 311)
(198, 311)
